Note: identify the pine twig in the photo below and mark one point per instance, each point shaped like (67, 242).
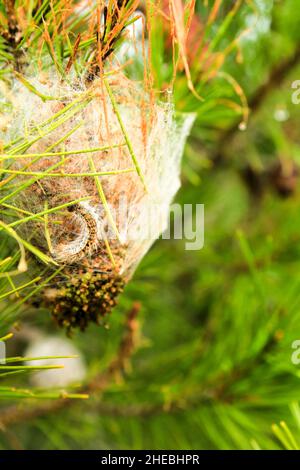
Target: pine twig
(12, 35)
(16, 414)
(276, 78)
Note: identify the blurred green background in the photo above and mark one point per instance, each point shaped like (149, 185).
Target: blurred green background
(212, 366)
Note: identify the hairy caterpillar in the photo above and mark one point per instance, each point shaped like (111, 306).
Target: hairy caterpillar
(87, 219)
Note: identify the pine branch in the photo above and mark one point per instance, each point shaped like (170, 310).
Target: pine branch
(277, 76)
(217, 390)
(13, 34)
(115, 16)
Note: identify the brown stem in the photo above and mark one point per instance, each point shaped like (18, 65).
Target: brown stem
(276, 78)
(217, 390)
(16, 414)
(108, 40)
(13, 32)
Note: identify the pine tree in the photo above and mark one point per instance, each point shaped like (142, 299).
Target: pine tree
(97, 99)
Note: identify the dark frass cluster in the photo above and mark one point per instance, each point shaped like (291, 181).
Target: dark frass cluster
(85, 299)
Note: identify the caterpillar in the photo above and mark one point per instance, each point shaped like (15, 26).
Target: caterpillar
(88, 221)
